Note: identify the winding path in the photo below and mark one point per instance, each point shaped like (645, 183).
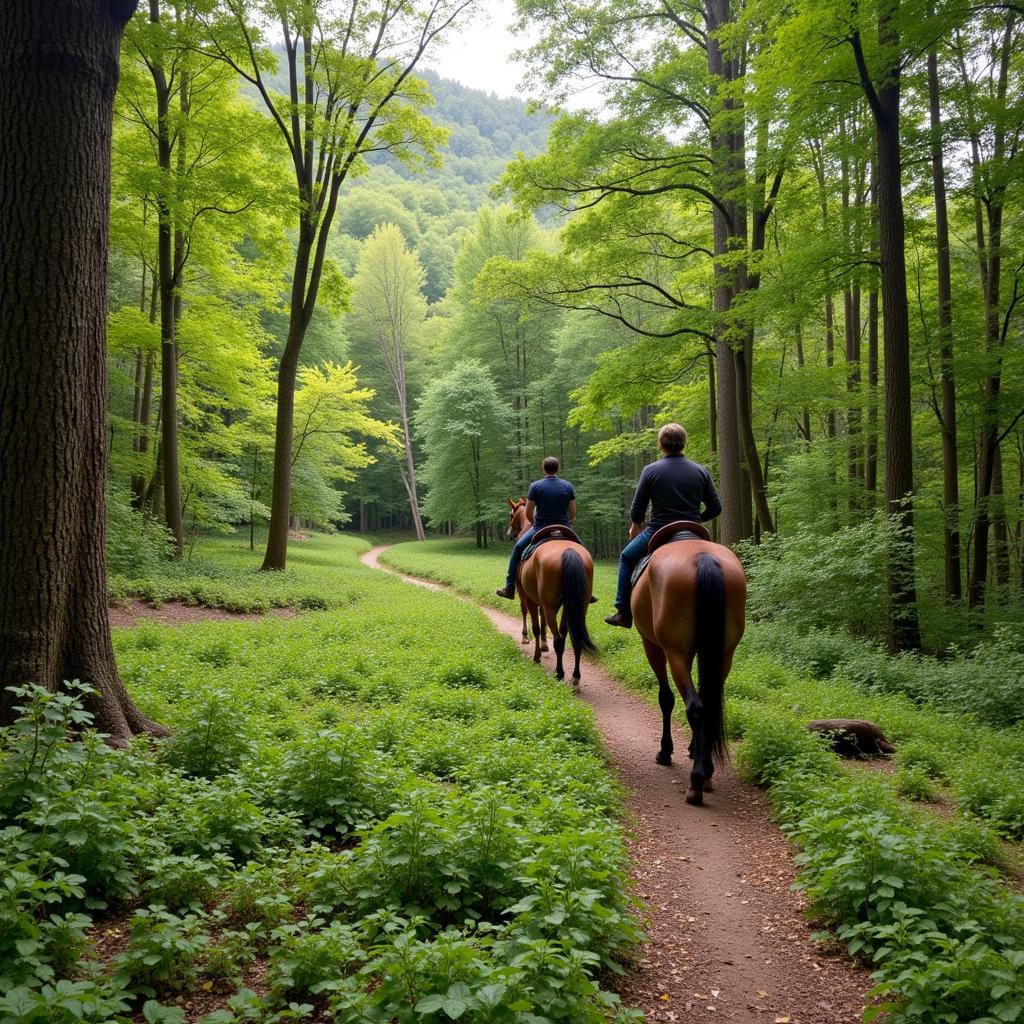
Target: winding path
(728, 937)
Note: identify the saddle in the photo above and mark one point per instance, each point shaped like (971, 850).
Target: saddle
(546, 533)
(683, 529)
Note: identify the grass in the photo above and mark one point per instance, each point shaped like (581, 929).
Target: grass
(377, 811)
(904, 888)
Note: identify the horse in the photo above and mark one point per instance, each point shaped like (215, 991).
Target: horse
(691, 600)
(559, 574)
(518, 524)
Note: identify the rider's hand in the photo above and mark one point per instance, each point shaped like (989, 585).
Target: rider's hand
(635, 529)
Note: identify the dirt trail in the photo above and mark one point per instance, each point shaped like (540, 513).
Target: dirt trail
(728, 939)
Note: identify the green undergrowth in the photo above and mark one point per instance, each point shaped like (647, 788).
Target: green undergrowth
(224, 573)
(905, 889)
(376, 812)
(901, 888)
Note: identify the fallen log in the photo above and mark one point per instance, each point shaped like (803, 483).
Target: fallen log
(853, 737)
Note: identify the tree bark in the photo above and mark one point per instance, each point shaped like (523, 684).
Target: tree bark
(989, 207)
(947, 417)
(735, 493)
(59, 67)
(166, 275)
(903, 629)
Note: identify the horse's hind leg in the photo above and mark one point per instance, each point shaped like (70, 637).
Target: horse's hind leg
(666, 699)
(575, 667)
(557, 638)
(536, 620)
(682, 668)
(522, 608)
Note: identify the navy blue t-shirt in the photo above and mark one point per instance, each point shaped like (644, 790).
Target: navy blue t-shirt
(551, 496)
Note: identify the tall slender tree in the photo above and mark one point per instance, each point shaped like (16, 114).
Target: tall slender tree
(388, 309)
(350, 92)
(882, 91)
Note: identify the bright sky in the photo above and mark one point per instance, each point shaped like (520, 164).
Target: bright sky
(479, 54)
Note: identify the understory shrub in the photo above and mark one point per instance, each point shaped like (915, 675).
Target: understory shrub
(946, 941)
(374, 812)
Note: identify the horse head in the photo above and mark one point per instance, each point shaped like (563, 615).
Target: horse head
(516, 518)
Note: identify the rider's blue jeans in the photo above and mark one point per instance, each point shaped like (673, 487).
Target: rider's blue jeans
(517, 553)
(631, 555)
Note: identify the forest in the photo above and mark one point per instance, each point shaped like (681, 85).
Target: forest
(283, 305)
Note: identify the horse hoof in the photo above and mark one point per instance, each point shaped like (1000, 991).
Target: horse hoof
(545, 648)
(575, 682)
(536, 659)
(662, 758)
(695, 797)
(709, 787)
(526, 639)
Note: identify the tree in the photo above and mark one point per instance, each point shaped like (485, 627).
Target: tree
(388, 310)
(60, 71)
(210, 163)
(350, 93)
(462, 421)
(882, 90)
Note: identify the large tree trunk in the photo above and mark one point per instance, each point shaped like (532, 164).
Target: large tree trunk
(947, 418)
(904, 632)
(734, 490)
(903, 629)
(59, 67)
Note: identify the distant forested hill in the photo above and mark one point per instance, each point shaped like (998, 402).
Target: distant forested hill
(434, 206)
(486, 133)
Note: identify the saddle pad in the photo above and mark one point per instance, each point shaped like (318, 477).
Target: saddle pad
(642, 564)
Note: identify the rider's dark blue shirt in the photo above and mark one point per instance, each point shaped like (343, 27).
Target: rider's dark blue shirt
(551, 496)
(675, 488)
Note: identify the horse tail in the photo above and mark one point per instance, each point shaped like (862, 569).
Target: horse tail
(575, 599)
(710, 628)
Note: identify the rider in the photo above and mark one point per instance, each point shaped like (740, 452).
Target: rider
(550, 501)
(676, 488)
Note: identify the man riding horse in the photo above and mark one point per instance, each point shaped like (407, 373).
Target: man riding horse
(676, 489)
(550, 501)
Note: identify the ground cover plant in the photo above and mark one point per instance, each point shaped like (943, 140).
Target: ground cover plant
(380, 813)
(902, 887)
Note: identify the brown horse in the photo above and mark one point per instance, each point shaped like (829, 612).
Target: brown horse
(518, 524)
(558, 575)
(691, 601)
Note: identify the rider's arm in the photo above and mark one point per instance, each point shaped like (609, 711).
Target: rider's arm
(572, 510)
(530, 508)
(638, 510)
(712, 503)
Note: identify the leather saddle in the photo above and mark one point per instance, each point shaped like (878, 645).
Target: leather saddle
(546, 533)
(683, 529)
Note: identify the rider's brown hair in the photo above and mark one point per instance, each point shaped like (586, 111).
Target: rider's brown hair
(672, 438)
(550, 464)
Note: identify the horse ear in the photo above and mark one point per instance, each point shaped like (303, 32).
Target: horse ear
(511, 503)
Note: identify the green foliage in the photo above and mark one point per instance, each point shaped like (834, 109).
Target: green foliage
(64, 1002)
(136, 544)
(461, 420)
(213, 735)
(332, 783)
(162, 953)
